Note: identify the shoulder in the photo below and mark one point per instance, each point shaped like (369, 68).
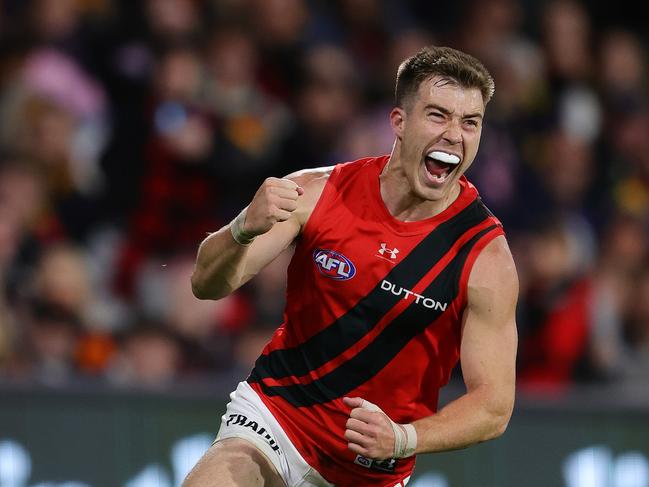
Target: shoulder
(493, 278)
(316, 178)
(312, 181)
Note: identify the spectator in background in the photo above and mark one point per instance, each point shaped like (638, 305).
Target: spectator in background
(206, 331)
(22, 224)
(62, 278)
(23, 205)
(554, 307)
(48, 343)
(623, 66)
(625, 98)
(149, 357)
(53, 114)
(173, 20)
(563, 177)
(623, 253)
(279, 28)
(179, 195)
(251, 121)
(9, 240)
(634, 362)
(325, 102)
(629, 165)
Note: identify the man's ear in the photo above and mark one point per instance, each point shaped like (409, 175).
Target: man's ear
(398, 121)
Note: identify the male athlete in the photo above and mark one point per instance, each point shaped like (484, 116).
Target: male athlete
(399, 270)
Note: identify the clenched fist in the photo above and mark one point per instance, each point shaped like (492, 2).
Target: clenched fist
(273, 202)
(371, 433)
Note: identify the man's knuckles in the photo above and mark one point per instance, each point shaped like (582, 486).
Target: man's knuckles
(289, 205)
(276, 202)
(355, 437)
(271, 183)
(373, 431)
(365, 415)
(358, 413)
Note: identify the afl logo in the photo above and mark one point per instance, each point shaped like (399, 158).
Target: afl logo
(333, 265)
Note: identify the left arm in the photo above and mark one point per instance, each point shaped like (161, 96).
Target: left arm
(488, 355)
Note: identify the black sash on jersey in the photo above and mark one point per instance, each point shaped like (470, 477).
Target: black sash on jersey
(366, 314)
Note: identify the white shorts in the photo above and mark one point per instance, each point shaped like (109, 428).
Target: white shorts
(247, 417)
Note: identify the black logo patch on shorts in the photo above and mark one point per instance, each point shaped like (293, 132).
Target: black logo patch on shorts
(387, 466)
(241, 420)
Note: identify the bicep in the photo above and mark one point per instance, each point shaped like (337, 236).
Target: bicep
(489, 336)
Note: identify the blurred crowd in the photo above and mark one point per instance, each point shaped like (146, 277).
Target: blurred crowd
(131, 129)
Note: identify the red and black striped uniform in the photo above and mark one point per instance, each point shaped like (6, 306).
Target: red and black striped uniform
(374, 309)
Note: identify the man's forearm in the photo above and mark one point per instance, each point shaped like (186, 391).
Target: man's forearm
(474, 417)
(219, 268)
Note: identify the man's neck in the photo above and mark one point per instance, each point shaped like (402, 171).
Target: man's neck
(400, 199)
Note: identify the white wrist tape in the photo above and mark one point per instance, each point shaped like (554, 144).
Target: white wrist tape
(405, 435)
(238, 233)
(405, 440)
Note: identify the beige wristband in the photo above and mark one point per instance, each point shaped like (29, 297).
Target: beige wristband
(405, 440)
(239, 235)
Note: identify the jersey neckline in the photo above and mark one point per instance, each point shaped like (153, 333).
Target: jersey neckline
(467, 194)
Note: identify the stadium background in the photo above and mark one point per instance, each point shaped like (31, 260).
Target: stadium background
(130, 129)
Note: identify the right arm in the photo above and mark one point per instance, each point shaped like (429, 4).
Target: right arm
(275, 217)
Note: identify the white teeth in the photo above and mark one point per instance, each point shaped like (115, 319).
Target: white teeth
(439, 179)
(444, 157)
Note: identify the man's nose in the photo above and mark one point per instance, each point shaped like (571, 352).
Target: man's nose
(453, 133)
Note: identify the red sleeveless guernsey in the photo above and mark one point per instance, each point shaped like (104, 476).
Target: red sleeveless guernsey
(374, 309)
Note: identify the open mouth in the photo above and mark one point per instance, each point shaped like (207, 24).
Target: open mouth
(440, 165)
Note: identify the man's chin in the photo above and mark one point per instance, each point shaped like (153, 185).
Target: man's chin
(432, 194)
(435, 190)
